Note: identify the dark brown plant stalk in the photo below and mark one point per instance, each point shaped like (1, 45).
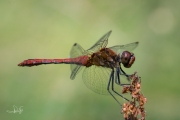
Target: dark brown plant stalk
(134, 109)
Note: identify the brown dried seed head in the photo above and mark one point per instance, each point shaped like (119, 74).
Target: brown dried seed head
(133, 109)
(124, 109)
(125, 89)
(138, 85)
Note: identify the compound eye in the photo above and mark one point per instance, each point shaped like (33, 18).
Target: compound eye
(125, 58)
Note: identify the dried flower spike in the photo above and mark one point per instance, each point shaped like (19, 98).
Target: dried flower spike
(134, 109)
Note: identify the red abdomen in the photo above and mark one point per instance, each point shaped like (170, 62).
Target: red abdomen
(81, 60)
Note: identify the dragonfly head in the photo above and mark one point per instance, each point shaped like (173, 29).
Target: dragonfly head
(127, 59)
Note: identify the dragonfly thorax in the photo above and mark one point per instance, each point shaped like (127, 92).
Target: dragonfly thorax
(105, 58)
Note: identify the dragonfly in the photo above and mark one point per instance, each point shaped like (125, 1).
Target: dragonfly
(101, 64)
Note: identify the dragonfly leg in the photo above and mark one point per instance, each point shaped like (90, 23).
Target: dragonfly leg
(117, 79)
(120, 84)
(108, 87)
(123, 72)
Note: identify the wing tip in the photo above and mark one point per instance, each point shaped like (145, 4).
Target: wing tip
(75, 44)
(108, 33)
(137, 42)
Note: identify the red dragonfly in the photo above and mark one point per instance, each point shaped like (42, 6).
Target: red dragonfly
(102, 66)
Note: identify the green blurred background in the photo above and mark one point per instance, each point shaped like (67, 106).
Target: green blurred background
(48, 29)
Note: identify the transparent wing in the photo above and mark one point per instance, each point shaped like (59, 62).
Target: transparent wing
(101, 43)
(75, 71)
(96, 78)
(129, 47)
(76, 51)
